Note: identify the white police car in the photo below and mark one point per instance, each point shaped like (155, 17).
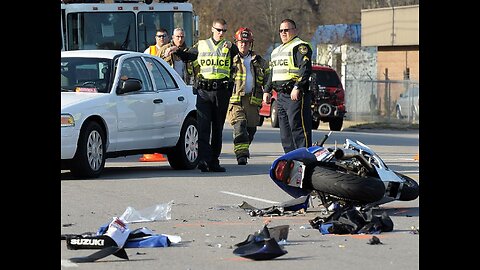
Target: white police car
(120, 103)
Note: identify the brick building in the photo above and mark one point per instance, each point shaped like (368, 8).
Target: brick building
(394, 30)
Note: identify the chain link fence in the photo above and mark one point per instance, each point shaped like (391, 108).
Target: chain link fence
(382, 101)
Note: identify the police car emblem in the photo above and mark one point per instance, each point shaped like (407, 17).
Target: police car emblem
(303, 49)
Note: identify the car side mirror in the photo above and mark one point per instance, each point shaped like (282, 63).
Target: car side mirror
(129, 85)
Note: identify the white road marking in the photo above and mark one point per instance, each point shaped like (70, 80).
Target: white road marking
(248, 197)
(386, 160)
(408, 172)
(67, 263)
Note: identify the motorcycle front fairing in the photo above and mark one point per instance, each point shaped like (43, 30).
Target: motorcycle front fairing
(304, 155)
(384, 173)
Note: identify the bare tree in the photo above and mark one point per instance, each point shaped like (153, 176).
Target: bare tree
(264, 16)
(269, 10)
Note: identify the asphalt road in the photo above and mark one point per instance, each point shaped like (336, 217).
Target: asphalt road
(205, 212)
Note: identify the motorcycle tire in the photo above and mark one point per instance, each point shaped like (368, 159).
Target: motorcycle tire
(410, 189)
(347, 186)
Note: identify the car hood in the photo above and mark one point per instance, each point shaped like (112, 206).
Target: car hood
(69, 98)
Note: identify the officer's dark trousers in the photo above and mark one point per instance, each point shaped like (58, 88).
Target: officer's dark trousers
(295, 121)
(211, 112)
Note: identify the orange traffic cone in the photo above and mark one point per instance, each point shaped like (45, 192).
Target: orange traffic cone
(155, 157)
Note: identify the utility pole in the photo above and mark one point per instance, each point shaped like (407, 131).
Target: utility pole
(392, 3)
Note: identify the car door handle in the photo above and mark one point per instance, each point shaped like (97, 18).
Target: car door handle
(181, 98)
(158, 100)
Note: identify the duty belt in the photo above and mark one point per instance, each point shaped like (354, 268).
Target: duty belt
(285, 87)
(212, 85)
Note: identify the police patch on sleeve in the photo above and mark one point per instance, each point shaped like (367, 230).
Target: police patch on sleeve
(303, 49)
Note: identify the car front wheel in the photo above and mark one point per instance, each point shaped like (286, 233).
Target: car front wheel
(89, 160)
(398, 113)
(414, 114)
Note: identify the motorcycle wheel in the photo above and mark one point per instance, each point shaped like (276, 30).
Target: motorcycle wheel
(347, 186)
(409, 190)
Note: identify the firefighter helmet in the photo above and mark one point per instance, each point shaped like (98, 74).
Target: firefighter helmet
(243, 34)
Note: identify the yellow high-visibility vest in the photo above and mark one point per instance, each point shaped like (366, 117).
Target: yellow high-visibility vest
(281, 63)
(214, 60)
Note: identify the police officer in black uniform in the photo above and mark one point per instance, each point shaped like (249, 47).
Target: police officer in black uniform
(214, 56)
(290, 69)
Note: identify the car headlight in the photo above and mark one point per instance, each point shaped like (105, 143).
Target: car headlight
(67, 120)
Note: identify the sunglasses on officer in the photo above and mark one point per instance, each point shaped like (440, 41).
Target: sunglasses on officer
(220, 30)
(285, 30)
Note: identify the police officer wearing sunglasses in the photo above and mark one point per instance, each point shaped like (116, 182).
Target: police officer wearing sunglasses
(214, 86)
(290, 69)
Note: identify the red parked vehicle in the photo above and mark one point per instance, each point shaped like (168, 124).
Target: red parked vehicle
(328, 100)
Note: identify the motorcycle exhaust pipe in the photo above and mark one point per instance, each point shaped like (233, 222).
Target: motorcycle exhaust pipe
(343, 154)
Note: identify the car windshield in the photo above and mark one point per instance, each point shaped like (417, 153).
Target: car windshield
(85, 74)
(326, 78)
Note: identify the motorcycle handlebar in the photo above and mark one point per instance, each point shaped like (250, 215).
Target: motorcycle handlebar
(324, 139)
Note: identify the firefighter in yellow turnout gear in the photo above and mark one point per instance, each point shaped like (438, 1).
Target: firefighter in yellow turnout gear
(246, 100)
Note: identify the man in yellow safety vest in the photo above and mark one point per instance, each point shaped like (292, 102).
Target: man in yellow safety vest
(290, 70)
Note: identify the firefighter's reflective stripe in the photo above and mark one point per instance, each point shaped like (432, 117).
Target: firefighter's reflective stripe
(214, 60)
(260, 79)
(235, 99)
(239, 76)
(255, 101)
(281, 63)
(240, 147)
(267, 71)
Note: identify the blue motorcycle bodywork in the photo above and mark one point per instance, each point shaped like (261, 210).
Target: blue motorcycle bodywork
(305, 155)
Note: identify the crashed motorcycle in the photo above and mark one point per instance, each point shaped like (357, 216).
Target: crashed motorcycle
(351, 175)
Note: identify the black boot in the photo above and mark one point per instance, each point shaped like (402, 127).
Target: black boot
(242, 161)
(215, 167)
(202, 166)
